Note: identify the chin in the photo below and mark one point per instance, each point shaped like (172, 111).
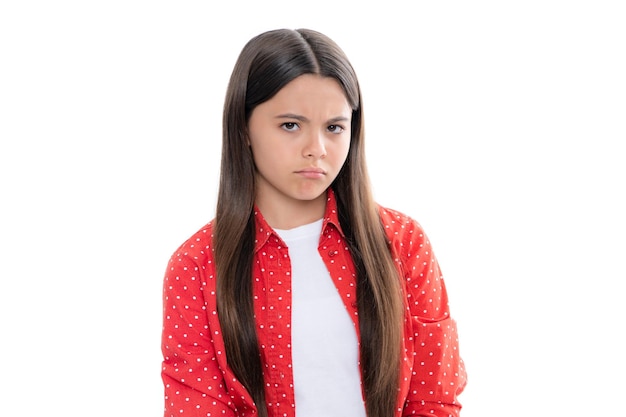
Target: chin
(312, 195)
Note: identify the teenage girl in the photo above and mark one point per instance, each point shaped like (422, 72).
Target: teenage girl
(303, 297)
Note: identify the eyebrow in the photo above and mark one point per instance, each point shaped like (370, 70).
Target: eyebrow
(304, 119)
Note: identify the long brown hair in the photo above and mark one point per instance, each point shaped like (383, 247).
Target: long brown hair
(265, 65)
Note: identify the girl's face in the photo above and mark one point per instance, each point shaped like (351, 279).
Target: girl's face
(300, 140)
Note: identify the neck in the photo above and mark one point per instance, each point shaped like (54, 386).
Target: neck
(287, 215)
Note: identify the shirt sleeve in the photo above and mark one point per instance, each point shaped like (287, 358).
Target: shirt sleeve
(438, 373)
(193, 382)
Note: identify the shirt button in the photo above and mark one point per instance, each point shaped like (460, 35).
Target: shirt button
(332, 252)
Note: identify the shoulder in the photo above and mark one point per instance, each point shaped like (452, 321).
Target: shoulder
(197, 249)
(407, 239)
(189, 283)
(399, 225)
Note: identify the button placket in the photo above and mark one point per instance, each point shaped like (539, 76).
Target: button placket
(278, 304)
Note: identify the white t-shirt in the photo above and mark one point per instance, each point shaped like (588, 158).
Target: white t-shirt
(327, 379)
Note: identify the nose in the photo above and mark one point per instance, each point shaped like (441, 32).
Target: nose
(314, 146)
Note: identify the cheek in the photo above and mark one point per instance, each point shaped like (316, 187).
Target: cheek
(265, 155)
(258, 156)
(344, 149)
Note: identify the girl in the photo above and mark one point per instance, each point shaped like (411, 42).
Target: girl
(303, 297)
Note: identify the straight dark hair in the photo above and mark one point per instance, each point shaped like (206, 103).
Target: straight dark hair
(265, 65)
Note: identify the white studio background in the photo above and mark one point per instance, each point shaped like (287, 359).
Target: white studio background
(500, 126)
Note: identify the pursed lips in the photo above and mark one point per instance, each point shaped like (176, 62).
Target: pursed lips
(311, 172)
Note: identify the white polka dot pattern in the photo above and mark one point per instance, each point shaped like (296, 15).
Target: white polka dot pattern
(196, 378)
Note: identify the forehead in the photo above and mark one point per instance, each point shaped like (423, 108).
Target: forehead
(311, 94)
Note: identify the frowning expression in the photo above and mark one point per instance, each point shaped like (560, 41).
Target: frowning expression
(300, 139)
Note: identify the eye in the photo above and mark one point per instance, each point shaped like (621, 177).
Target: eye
(335, 129)
(290, 126)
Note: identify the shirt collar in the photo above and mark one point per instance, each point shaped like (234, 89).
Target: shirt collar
(264, 231)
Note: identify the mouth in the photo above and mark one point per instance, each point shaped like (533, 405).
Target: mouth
(311, 172)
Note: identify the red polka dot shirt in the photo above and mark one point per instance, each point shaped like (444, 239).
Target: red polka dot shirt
(196, 377)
